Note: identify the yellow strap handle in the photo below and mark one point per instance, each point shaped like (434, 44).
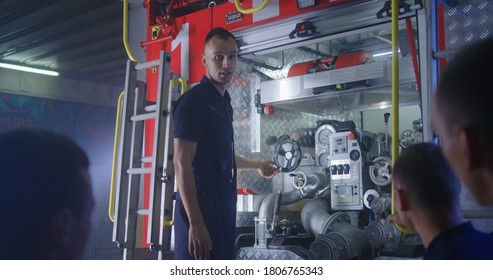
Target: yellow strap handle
(125, 32)
(168, 223)
(252, 10)
(395, 98)
(111, 204)
(182, 82)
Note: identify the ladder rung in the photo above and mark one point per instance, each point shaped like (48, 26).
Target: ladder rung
(143, 212)
(146, 159)
(445, 53)
(139, 170)
(146, 65)
(143, 117)
(151, 108)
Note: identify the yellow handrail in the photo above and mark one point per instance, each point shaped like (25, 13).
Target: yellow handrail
(125, 32)
(395, 98)
(252, 10)
(111, 204)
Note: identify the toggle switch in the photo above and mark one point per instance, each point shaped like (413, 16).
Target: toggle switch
(333, 169)
(346, 168)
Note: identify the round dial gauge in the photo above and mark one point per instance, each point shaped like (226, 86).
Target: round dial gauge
(354, 155)
(323, 134)
(324, 158)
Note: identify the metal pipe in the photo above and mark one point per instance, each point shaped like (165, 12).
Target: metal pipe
(336, 238)
(268, 204)
(315, 218)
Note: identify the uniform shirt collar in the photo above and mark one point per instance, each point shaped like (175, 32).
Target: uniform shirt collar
(214, 91)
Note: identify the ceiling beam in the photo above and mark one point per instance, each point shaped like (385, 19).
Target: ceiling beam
(62, 35)
(35, 26)
(24, 10)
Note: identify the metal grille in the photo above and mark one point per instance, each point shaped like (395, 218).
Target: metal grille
(465, 24)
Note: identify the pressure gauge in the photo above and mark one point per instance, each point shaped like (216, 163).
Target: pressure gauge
(305, 3)
(322, 136)
(324, 158)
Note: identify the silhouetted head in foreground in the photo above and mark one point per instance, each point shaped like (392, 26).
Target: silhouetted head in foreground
(46, 196)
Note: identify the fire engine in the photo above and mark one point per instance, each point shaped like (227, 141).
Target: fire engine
(330, 90)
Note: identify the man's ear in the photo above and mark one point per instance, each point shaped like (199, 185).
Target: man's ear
(204, 60)
(469, 147)
(401, 200)
(62, 228)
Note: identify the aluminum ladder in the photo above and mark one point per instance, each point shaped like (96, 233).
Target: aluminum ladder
(131, 165)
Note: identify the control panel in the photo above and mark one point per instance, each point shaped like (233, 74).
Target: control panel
(345, 165)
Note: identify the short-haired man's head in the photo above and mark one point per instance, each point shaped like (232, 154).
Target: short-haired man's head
(423, 174)
(464, 86)
(42, 173)
(220, 33)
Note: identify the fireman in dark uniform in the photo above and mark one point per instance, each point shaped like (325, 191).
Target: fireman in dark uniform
(426, 192)
(204, 158)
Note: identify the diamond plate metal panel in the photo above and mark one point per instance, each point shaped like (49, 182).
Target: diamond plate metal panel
(242, 91)
(246, 219)
(250, 253)
(468, 202)
(467, 23)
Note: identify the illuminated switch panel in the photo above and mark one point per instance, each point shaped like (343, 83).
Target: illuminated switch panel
(345, 172)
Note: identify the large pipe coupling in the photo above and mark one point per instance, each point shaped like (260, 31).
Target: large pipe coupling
(316, 220)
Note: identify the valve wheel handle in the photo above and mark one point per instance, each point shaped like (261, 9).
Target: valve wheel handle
(290, 151)
(381, 171)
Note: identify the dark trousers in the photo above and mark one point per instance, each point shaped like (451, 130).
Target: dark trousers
(220, 219)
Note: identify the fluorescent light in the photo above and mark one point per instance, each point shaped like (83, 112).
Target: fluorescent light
(28, 69)
(384, 53)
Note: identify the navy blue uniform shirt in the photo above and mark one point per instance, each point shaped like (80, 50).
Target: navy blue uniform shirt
(462, 242)
(204, 116)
